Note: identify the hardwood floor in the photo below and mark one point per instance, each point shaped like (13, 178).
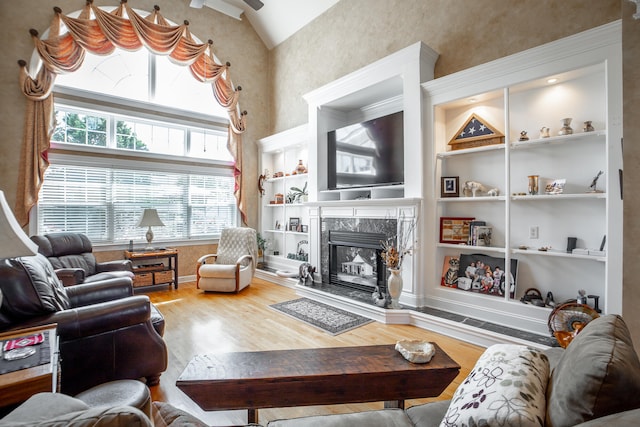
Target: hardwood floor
(199, 323)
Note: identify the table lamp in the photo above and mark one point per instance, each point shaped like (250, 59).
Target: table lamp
(150, 219)
(13, 241)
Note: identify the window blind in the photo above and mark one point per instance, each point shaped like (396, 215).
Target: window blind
(106, 203)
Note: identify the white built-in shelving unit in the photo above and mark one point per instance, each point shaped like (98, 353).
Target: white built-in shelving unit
(577, 77)
(281, 153)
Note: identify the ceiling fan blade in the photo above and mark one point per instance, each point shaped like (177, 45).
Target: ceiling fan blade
(197, 4)
(255, 4)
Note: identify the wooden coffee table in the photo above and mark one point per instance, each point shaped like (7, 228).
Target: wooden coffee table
(319, 376)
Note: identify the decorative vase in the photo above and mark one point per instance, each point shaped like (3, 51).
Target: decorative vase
(394, 287)
(566, 128)
(533, 184)
(588, 127)
(544, 132)
(301, 168)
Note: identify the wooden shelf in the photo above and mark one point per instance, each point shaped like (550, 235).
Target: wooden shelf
(150, 275)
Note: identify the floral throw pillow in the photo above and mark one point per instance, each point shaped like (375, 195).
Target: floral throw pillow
(506, 387)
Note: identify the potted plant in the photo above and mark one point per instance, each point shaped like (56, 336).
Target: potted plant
(299, 195)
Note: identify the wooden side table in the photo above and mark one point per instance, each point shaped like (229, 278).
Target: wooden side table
(149, 269)
(18, 385)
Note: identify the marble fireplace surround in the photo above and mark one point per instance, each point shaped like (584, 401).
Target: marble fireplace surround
(381, 216)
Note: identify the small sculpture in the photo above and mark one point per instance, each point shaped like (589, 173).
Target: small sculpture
(378, 298)
(306, 271)
(594, 183)
(544, 132)
(555, 187)
(493, 192)
(261, 179)
(582, 297)
(471, 188)
(523, 136)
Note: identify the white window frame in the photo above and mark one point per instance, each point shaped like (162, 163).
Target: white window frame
(79, 159)
(84, 155)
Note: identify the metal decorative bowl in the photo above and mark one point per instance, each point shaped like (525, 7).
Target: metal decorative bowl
(416, 351)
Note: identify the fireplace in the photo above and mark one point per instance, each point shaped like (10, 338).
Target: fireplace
(355, 261)
(350, 251)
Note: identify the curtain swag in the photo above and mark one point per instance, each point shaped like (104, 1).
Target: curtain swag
(125, 29)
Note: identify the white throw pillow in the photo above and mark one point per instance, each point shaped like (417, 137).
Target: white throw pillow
(506, 387)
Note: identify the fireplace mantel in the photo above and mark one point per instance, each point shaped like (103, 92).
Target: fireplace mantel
(360, 203)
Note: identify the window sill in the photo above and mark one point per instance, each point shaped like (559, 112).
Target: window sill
(108, 247)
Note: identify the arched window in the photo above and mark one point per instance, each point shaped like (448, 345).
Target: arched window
(108, 125)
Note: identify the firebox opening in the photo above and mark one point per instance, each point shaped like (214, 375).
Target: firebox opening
(355, 260)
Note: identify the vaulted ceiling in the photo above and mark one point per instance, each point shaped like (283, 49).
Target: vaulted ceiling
(277, 20)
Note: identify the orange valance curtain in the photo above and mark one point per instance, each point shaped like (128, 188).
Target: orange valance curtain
(125, 29)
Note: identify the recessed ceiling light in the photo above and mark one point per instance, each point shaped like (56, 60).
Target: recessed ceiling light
(472, 100)
(551, 81)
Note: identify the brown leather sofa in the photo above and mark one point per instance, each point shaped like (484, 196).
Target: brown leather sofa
(105, 332)
(71, 255)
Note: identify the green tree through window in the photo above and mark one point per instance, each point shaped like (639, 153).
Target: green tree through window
(126, 138)
(81, 129)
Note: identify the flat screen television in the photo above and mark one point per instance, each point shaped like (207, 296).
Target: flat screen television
(367, 154)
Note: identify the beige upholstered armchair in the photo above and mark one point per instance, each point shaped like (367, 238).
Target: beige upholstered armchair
(232, 268)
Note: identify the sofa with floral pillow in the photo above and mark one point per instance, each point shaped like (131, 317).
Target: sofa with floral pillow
(594, 382)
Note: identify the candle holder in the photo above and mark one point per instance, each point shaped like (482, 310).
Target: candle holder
(533, 184)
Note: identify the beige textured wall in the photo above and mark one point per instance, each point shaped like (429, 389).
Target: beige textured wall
(466, 33)
(355, 33)
(631, 135)
(234, 41)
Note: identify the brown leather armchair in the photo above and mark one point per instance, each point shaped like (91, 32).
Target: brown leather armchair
(105, 333)
(71, 255)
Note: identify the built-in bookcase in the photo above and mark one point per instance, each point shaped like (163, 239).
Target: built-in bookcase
(579, 78)
(284, 221)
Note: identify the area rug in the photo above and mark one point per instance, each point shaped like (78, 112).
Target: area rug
(330, 319)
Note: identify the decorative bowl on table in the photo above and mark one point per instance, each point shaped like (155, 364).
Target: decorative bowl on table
(416, 351)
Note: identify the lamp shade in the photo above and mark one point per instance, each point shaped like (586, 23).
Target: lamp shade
(150, 218)
(13, 241)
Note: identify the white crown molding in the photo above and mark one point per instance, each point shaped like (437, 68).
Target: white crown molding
(515, 68)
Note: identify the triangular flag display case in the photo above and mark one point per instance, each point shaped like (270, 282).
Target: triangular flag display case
(476, 132)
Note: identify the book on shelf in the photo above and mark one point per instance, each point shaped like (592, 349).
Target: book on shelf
(473, 232)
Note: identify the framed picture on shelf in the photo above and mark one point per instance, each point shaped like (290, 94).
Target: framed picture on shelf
(486, 275)
(483, 235)
(294, 222)
(449, 186)
(454, 230)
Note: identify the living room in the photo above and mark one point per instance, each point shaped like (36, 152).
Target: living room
(274, 80)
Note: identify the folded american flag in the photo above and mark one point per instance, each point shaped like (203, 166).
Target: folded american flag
(23, 341)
